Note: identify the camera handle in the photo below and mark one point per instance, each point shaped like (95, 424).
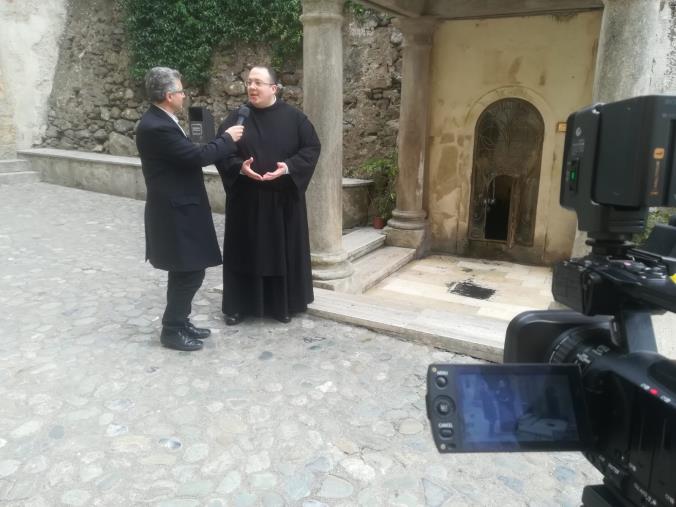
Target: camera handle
(632, 331)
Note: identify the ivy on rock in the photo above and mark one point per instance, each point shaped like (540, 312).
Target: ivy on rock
(183, 34)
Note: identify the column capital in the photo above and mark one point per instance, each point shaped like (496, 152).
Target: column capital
(322, 11)
(417, 31)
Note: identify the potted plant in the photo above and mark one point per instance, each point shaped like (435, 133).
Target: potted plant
(382, 195)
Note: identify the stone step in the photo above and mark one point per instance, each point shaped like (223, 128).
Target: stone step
(480, 337)
(14, 166)
(13, 178)
(378, 265)
(362, 241)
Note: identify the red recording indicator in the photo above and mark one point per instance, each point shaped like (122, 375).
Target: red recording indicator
(654, 391)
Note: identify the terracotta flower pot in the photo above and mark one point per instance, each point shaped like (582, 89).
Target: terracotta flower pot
(378, 222)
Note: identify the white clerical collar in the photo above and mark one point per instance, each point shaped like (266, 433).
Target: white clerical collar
(269, 105)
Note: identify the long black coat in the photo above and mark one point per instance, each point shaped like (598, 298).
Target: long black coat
(180, 234)
(266, 244)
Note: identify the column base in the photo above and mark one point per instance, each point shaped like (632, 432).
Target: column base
(340, 285)
(408, 238)
(331, 271)
(409, 220)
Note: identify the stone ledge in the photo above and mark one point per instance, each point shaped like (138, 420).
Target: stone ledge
(14, 166)
(121, 176)
(98, 158)
(86, 156)
(16, 177)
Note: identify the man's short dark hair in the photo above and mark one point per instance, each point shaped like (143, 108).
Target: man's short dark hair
(270, 71)
(160, 81)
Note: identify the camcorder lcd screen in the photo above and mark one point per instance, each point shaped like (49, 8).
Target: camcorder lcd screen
(529, 407)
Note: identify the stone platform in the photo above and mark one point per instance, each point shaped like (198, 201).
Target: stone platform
(311, 414)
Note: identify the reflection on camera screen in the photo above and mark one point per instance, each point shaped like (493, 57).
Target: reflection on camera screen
(516, 408)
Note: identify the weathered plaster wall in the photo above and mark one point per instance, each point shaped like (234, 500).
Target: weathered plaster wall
(7, 130)
(546, 60)
(29, 48)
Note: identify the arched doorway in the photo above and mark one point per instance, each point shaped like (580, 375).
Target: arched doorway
(505, 176)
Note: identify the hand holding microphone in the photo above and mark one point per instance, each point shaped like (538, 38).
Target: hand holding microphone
(237, 130)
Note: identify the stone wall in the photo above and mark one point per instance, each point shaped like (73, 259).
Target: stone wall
(29, 35)
(95, 105)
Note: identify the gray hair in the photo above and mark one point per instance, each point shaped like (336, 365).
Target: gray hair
(159, 81)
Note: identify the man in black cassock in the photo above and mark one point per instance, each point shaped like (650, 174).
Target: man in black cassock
(266, 249)
(180, 233)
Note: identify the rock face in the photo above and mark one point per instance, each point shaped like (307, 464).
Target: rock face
(94, 102)
(121, 145)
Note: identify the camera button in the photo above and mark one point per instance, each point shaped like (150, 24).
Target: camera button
(446, 432)
(442, 381)
(445, 406)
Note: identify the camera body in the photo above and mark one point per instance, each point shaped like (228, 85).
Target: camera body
(620, 407)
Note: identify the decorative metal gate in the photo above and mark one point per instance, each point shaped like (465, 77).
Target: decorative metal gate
(506, 173)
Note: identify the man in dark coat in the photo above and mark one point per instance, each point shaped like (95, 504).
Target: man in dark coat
(180, 234)
(266, 251)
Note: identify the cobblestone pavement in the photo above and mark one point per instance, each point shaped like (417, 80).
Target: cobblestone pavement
(95, 412)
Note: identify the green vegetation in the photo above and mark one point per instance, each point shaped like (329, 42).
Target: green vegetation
(183, 34)
(655, 216)
(382, 193)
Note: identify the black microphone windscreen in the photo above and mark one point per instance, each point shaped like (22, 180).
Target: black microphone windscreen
(242, 114)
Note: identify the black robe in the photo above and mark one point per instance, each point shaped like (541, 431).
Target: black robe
(266, 248)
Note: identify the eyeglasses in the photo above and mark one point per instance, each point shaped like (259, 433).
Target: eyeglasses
(257, 84)
(178, 91)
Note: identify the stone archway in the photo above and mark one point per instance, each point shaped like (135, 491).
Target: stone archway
(509, 136)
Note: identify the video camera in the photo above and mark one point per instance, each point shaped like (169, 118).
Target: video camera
(590, 378)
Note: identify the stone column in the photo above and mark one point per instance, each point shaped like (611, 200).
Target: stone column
(631, 46)
(408, 227)
(631, 61)
(323, 103)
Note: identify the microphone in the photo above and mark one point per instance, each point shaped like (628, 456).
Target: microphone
(242, 114)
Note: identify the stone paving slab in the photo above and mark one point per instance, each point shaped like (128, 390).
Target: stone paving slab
(316, 413)
(464, 334)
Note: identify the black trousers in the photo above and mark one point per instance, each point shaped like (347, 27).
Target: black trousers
(181, 288)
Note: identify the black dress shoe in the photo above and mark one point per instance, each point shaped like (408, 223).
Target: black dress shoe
(284, 319)
(177, 338)
(199, 333)
(232, 319)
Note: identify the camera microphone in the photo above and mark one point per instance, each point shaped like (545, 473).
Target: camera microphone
(242, 114)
